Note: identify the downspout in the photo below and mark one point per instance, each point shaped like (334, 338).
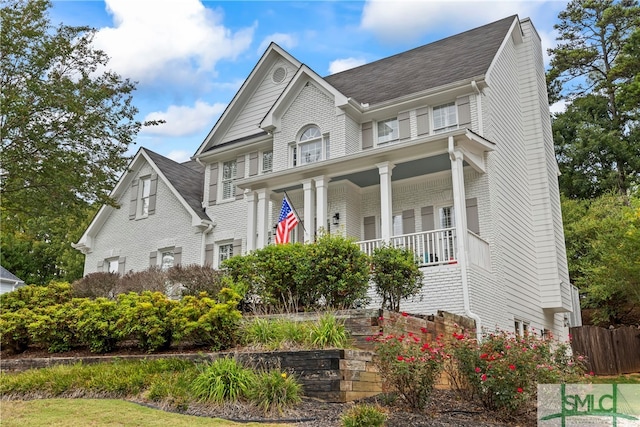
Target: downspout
(203, 243)
(462, 234)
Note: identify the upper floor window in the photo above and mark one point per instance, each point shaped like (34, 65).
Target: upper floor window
(267, 161)
(229, 173)
(387, 130)
(445, 118)
(145, 193)
(312, 147)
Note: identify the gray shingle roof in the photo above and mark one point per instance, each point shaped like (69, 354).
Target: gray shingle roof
(463, 56)
(6, 274)
(187, 178)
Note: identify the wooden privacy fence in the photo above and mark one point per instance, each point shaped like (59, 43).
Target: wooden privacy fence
(608, 351)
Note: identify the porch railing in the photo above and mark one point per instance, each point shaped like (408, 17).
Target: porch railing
(479, 252)
(435, 247)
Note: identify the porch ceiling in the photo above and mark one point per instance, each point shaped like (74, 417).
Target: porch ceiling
(410, 169)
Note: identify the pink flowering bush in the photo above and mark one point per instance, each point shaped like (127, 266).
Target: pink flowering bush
(410, 365)
(503, 371)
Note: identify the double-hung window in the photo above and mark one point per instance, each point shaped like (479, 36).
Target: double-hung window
(312, 146)
(447, 221)
(445, 118)
(229, 173)
(145, 193)
(267, 161)
(166, 260)
(225, 251)
(113, 265)
(387, 130)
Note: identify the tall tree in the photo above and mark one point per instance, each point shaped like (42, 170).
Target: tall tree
(594, 68)
(66, 123)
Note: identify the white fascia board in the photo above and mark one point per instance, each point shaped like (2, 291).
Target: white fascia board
(303, 76)
(248, 86)
(513, 30)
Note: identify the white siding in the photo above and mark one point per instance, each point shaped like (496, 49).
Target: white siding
(246, 123)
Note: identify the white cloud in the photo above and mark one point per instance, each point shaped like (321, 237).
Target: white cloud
(406, 20)
(548, 42)
(179, 156)
(558, 107)
(345, 64)
(182, 120)
(286, 41)
(150, 39)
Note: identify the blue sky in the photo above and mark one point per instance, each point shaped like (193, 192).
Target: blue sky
(189, 57)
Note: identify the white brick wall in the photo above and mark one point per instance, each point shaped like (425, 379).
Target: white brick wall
(135, 239)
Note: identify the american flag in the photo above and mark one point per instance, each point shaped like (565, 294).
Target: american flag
(286, 222)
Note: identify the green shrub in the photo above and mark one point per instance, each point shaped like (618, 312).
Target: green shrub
(328, 331)
(145, 317)
(275, 390)
(223, 380)
(504, 370)
(364, 415)
(338, 270)
(96, 285)
(396, 275)
(36, 296)
(97, 325)
(203, 321)
(54, 327)
(14, 331)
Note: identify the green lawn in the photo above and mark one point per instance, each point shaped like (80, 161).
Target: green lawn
(99, 413)
(620, 379)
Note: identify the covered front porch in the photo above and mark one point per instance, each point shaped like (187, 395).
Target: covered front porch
(381, 196)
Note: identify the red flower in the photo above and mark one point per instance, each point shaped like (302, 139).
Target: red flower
(512, 367)
(400, 358)
(368, 338)
(423, 330)
(484, 356)
(483, 377)
(404, 314)
(478, 370)
(520, 390)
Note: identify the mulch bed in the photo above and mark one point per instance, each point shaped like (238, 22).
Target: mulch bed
(444, 409)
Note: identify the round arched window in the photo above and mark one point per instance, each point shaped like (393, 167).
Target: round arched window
(309, 146)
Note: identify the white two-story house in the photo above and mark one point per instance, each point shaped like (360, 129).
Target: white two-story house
(445, 149)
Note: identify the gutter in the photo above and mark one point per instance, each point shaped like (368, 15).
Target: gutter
(462, 247)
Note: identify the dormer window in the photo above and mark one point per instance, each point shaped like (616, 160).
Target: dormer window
(445, 118)
(310, 147)
(387, 130)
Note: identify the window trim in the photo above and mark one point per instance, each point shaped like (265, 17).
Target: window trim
(228, 181)
(395, 131)
(447, 126)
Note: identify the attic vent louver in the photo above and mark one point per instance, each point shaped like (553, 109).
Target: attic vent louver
(279, 74)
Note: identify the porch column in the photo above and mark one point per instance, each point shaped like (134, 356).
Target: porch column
(309, 210)
(386, 200)
(262, 216)
(321, 202)
(250, 197)
(459, 208)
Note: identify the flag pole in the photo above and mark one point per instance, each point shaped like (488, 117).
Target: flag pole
(294, 210)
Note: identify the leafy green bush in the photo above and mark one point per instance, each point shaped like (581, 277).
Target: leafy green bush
(338, 270)
(328, 331)
(504, 370)
(203, 321)
(35, 296)
(96, 285)
(223, 380)
(396, 274)
(364, 415)
(275, 390)
(145, 317)
(96, 325)
(54, 327)
(285, 278)
(14, 331)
